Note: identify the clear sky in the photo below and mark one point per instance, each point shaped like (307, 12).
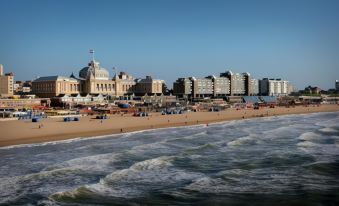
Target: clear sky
(297, 40)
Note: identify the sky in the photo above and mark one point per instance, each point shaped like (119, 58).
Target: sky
(296, 40)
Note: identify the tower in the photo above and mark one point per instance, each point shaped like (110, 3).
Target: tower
(1, 70)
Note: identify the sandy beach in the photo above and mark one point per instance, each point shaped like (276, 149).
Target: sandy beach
(25, 132)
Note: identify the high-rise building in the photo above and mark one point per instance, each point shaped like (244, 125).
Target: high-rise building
(240, 83)
(254, 87)
(226, 84)
(337, 85)
(182, 87)
(6, 83)
(273, 87)
(202, 87)
(221, 86)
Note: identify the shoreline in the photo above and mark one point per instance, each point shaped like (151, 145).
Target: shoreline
(29, 133)
(138, 131)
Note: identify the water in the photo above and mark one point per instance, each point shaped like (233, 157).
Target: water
(287, 160)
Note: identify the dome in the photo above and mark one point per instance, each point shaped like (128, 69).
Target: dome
(93, 71)
(229, 73)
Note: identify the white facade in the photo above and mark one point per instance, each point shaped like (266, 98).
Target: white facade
(254, 87)
(274, 87)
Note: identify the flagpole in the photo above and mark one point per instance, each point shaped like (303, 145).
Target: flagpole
(91, 51)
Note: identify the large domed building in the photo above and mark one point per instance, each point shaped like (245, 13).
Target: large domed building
(95, 80)
(94, 71)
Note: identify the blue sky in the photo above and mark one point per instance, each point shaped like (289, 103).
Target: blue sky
(297, 40)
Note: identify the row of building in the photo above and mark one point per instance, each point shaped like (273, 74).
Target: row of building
(95, 80)
(230, 84)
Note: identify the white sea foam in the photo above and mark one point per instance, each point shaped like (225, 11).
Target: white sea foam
(242, 181)
(94, 162)
(207, 185)
(156, 163)
(309, 136)
(195, 156)
(328, 129)
(77, 139)
(145, 171)
(158, 171)
(12, 186)
(307, 144)
(242, 141)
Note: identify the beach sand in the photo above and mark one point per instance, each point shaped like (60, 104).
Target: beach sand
(25, 132)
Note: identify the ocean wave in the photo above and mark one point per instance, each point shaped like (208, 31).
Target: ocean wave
(307, 144)
(328, 130)
(247, 140)
(94, 162)
(328, 123)
(207, 185)
(257, 181)
(308, 136)
(203, 147)
(43, 183)
(141, 171)
(287, 129)
(133, 181)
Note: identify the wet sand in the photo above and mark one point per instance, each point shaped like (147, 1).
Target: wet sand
(26, 132)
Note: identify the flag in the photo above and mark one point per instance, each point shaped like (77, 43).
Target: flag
(91, 51)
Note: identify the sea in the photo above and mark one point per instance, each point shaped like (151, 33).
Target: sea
(284, 160)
